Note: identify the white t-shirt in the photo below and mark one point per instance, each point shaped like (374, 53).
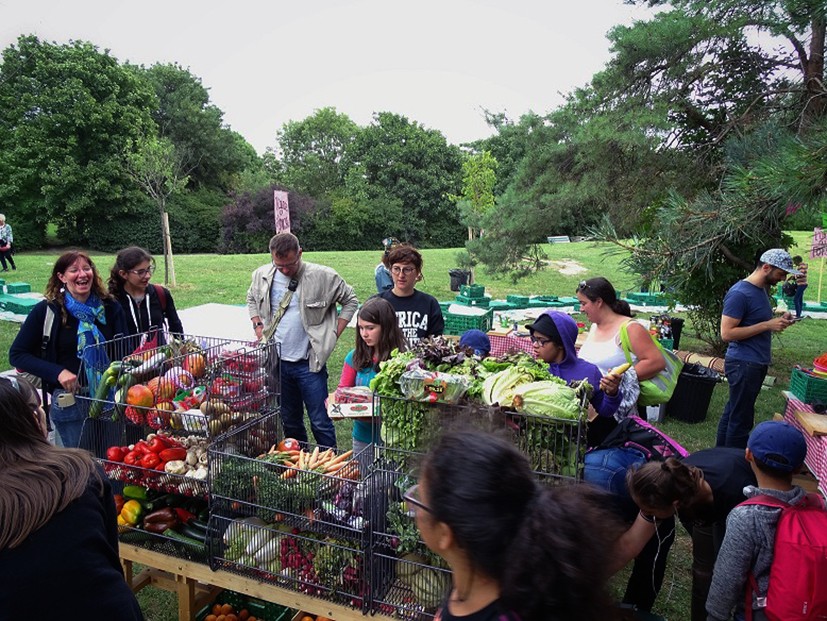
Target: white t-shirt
(290, 332)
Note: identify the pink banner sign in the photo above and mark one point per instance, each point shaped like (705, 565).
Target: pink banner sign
(819, 249)
(282, 212)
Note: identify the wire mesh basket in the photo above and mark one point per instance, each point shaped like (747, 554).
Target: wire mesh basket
(174, 544)
(555, 447)
(317, 488)
(191, 384)
(334, 568)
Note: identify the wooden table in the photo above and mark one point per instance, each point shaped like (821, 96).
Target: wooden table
(196, 584)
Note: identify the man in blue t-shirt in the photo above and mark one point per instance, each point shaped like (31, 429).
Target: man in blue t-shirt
(747, 324)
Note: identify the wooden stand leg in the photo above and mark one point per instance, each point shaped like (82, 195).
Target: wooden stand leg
(186, 598)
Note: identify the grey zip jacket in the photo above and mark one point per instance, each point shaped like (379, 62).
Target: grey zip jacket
(747, 546)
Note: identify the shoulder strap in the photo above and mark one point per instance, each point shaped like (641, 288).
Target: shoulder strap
(767, 501)
(162, 297)
(48, 322)
(624, 342)
(270, 330)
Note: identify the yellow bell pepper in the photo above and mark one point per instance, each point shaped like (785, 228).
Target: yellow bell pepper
(131, 513)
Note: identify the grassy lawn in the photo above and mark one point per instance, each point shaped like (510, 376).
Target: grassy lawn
(225, 278)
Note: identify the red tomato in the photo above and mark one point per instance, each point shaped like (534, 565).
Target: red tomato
(114, 453)
(289, 444)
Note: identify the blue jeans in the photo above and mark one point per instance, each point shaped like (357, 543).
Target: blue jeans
(68, 421)
(798, 300)
(299, 388)
(745, 381)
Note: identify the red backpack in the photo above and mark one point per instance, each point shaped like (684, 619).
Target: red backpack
(797, 588)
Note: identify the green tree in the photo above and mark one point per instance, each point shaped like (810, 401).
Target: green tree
(68, 113)
(158, 169)
(217, 156)
(397, 158)
(311, 151)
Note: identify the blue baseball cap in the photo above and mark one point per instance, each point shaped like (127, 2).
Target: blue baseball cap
(476, 340)
(778, 445)
(780, 258)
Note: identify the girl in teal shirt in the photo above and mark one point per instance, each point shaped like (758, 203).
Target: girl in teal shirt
(377, 335)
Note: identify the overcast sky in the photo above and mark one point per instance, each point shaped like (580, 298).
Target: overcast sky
(437, 62)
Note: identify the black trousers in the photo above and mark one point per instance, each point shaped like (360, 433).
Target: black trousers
(7, 255)
(649, 568)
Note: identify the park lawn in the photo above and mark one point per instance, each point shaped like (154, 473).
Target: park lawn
(225, 278)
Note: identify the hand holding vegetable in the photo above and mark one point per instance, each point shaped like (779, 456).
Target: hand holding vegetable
(610, 383)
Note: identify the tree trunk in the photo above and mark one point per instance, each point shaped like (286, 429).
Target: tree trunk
(815, 90)
(169, 263)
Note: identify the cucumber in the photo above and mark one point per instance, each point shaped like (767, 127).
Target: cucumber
(194, 544)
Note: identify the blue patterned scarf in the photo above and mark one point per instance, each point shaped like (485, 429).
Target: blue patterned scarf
(93, 357)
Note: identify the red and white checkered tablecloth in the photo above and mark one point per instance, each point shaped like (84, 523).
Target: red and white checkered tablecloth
(816, 459)
(501, 345)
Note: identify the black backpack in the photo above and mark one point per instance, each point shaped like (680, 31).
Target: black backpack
(788, 288)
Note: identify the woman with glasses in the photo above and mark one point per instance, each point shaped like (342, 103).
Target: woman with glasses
(64, 330)
(418, 313)
(148, 307)
(517, 549)
(608, 314)
(377, 335)
(58, 532)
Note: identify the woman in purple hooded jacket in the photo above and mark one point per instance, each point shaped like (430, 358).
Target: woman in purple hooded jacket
(554, 335)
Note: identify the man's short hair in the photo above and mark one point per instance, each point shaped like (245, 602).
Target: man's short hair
(283, 244)
(404, 253)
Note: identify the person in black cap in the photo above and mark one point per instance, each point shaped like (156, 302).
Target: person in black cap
(775, 452)
(477, 342)
(747, 324)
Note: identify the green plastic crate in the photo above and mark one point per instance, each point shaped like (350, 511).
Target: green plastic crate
(266, 611)
(501, 305)
(457, 324)
(21, 306)
(538, 303)
(466, 301)
(443, 306)
(18, 287)
(472, 291)
(808, 388)
(520, 301)
(2, 282)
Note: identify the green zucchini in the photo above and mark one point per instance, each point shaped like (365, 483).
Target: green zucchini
(195, 544)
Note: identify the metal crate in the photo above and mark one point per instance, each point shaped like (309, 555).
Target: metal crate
(282, 553)
(199, 384)
(164, 544)
(399, 557)
(554, 447)
(330, 503)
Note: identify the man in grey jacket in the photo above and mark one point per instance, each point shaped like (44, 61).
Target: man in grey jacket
(775, 451)
(306, 330)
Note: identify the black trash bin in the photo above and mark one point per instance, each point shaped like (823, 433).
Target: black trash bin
(458, 278)
(677, 326)
(692, 395)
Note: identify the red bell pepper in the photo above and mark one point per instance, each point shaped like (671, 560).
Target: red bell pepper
(173, 454)
(142, 447)
(114, 453)
(149, 461)
(159, 443)
(119, 502)
(131, 458)
(184, 515)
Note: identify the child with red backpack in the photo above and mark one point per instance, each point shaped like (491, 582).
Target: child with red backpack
(775, 547)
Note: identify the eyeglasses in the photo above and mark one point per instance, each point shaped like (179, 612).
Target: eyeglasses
(539, 341)
(412, 498)
(141, 273)
(403, 270)
(583, 285)
(286, 266)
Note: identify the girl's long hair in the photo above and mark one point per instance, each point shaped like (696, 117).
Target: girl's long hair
(37, 480)
(126, 260)
(379, 311)
(548, 547)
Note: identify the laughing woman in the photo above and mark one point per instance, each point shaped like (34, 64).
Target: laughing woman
(147, 307)
(82, 313)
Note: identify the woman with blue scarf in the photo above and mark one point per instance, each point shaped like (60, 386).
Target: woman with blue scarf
(83, 314)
